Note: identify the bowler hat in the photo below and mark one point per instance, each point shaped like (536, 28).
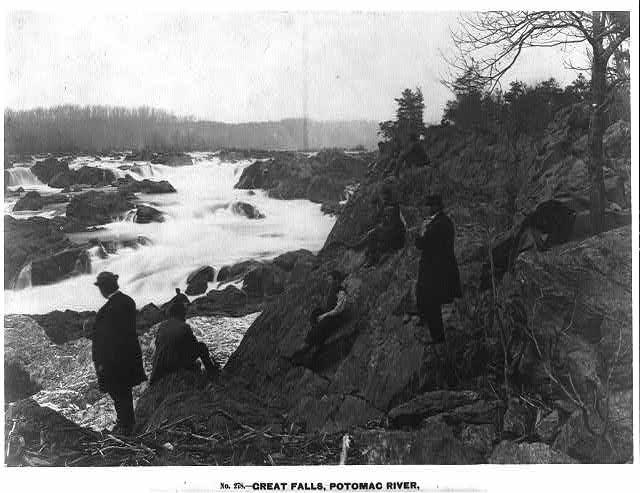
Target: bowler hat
(106, 278)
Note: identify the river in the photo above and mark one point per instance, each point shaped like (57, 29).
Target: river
(200, 228)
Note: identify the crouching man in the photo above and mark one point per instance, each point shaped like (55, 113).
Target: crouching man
(178, 349)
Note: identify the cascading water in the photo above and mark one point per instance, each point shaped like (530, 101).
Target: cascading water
(24, 278)
(22, 177)
(199, 229)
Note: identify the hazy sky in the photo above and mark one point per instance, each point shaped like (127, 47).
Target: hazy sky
(240, 67)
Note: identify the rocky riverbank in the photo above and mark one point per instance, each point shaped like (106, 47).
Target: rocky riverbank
(537, 367)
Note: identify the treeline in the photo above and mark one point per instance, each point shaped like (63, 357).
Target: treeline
(72, 128)
(524, 109)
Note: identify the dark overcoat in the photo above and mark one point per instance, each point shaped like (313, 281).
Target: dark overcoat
(438, 274)
(176, 348)
(115, 345)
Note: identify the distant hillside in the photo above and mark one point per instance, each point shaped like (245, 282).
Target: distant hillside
(101, 128)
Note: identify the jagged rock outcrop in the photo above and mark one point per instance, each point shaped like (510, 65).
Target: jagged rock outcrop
(319, 178)
(376, 356)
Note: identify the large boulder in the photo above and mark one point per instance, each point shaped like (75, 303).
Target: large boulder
(27, 239)
(237, 271)
(95, 207)
(172, 159)
(131, 185)
(53, 268)
(86, 175)
(228, 301)
(199, 279)
(30, 201)
(146, 214)
(45, 170)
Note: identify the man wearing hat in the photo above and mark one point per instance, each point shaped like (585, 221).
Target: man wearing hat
(438, 275)
(116, 351)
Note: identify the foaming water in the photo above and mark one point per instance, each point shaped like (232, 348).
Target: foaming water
(200, 228)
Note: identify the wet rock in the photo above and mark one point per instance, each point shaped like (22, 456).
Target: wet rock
(26, 239)
(198, 280)
(31, 201)
(53, 268)
(172, 159)
(131, 185)
(433, 444)
(87, 175)
(47, 169)
(95, 207)
(237, 271)
(146, 214)
(34, 201)
(528, 453)
(228, 299)
(428, 404)
(247, 210)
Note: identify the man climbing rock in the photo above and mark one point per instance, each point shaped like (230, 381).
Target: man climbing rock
(325, 320)
(116, 351)
(438, 275)
(176, 348)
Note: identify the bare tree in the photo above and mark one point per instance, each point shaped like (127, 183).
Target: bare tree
(489, 43)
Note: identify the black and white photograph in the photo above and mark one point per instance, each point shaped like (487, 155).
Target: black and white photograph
(298, 237)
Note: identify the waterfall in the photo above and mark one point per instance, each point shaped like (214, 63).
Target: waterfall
(24, 278)
(22, 177)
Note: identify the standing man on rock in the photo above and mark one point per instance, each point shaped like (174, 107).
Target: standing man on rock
(438, 275)
(116, 351)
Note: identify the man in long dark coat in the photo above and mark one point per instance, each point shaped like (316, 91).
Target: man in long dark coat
(438, 275)
(116, 351)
